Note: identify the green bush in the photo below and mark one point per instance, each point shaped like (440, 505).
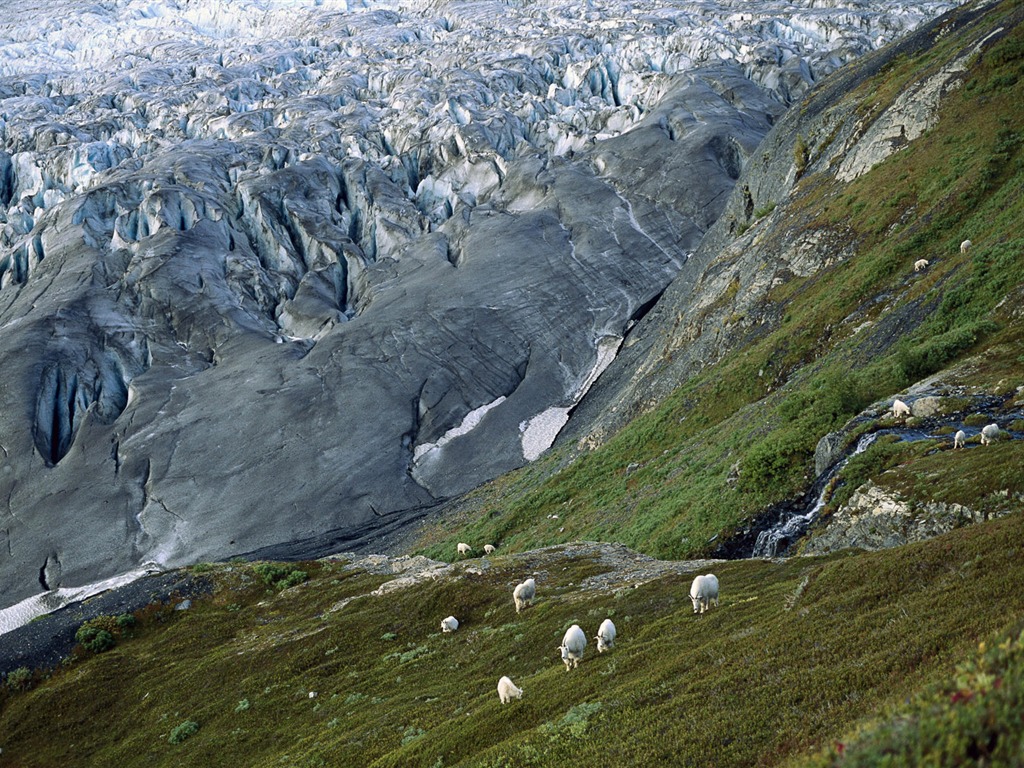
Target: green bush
(19, 679)
(94, 639)
(280, 575)
(183, 731)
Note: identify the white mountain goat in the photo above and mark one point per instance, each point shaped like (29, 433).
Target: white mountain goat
(507, 690)
(959, 438)
(464, 549)
(920, 264)
(605, 636)
(965, 246)
(989, 433)
(524, 593)
(899, 408)
(449, 624)
(704, 592)
(573, 644)
(489, 549)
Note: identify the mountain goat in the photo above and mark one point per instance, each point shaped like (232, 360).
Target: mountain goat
(489, 549)
(507, 690)
(573, 643)
(464, 549)
(920, 264)
(605, 636)
(959, 438)
(965, 246)
(899, 408)
(989, 433)
(524, 593)
(704, 592)
(449, 624)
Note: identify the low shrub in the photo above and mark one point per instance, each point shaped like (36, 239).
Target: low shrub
(280, 575)
(183, 731)
(94, 639)
(19, 679)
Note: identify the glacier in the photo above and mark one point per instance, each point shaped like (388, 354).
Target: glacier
(277, 276)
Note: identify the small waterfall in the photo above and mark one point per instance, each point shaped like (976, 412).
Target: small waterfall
(793, 519)
(772, 540)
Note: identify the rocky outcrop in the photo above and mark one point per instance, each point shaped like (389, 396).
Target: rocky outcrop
(720, 300)
(878, 518)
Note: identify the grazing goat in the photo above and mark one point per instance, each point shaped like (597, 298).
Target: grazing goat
(959, 438)
(899, 408)
(920, 264)
(989, 433)
(572, 646)
(449, 624)
(464, 549)
(965, 246)
(704, 592)
(524, 593)
(605, 636)
(507, 690)
(489, 549)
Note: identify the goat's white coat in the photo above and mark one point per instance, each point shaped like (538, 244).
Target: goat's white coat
(573, 643)
(489, 549)
(920, 264)
(704, 592)
(965, 246)
(605, 636)
(899, 408)
(959, 438)
(464, 548)
(989, 433)
(524, 593)
(449, 624)
(507, 690)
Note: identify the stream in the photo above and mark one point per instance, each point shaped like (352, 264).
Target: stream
(784, 523)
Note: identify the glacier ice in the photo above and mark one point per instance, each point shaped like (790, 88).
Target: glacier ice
(258, 256)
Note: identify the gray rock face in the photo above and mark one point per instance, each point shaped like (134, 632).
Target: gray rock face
(719, 300)
(275, 281)
(876, 518)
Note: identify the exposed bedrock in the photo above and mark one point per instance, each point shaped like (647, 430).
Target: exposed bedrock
(260, 291)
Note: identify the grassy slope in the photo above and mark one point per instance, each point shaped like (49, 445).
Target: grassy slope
(797, 654)
(660, 485)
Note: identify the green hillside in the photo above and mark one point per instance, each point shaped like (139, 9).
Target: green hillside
(798, 653)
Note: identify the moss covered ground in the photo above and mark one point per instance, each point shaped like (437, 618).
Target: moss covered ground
(798, 655)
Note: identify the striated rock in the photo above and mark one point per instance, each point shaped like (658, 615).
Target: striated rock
(827, 451)
(877, 518)
(929, 405)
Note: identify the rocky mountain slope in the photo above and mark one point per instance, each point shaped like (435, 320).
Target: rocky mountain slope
(278, 277)
(736, 402)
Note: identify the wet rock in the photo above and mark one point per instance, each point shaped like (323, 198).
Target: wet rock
(828, 451)
(878, 518)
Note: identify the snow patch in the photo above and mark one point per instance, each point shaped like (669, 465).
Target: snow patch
(539, 433)
(20, 614)
(471, 420)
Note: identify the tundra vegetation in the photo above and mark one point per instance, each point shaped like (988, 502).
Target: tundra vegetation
(913, 654)
(802, 654)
